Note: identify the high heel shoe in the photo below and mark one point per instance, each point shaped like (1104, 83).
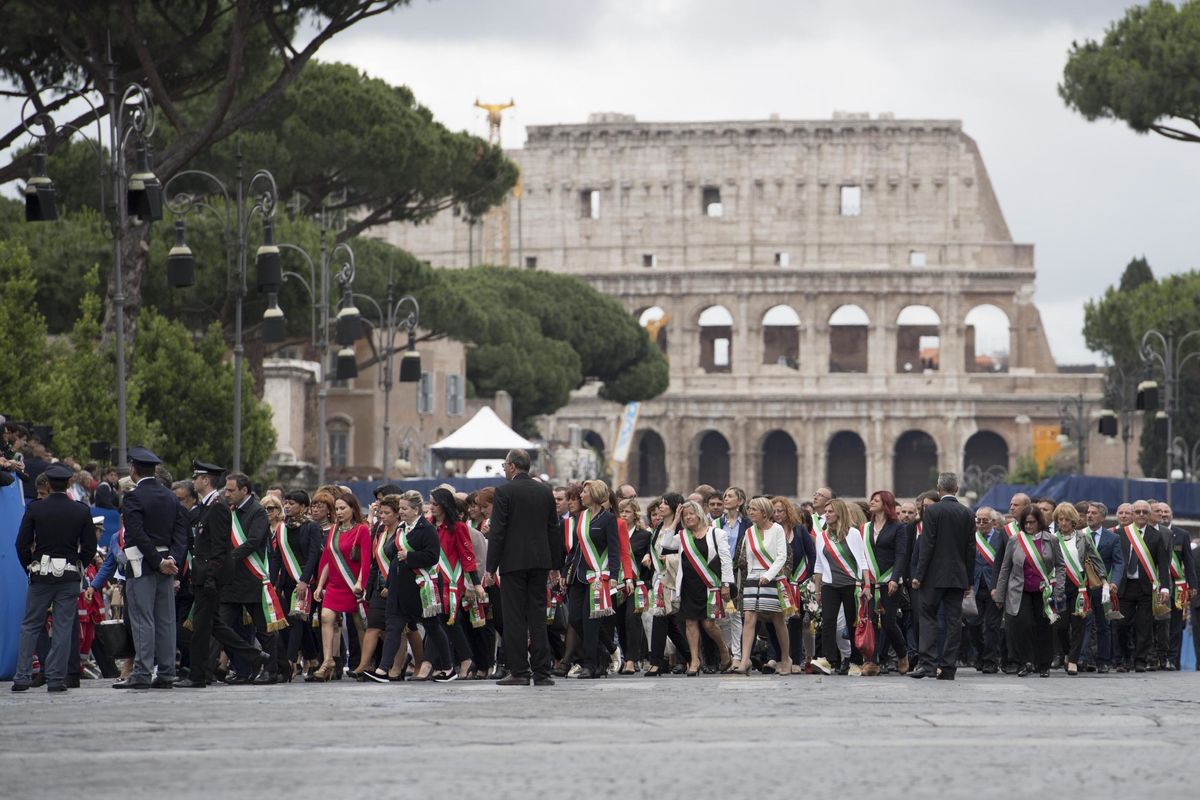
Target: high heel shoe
(322, 674)
(653, 672)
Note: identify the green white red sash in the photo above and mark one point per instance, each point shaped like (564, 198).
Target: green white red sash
(714, 608)
(451, 594)
(1034, 556)
(343, 568)
(800, 573)
(1075, 574)
(257, 565)
(868, 534)
(656, 563)
(641, 597)
(382, 561)
(1138, 545)
(758, 548)
(1012, 529)
(985, 549)
(599, 596)
(291, 563)
(431, 605)
(1180, 588)
(568, 535)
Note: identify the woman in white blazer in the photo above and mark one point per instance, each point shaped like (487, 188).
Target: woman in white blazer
(841, 568)
(703, 581)
(766, 552)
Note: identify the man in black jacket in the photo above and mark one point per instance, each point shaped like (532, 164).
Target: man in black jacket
(156, 544)
(525, 545)
(55, 542)
(1180, 553)
(944, 571)
(244, 592)
(211, 569)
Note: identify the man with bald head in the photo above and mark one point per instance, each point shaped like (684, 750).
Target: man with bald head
(1183, 580)
(820, 502)
(1146, 572)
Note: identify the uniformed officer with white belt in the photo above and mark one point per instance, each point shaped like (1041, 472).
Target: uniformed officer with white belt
(56, 539)
(156, 526)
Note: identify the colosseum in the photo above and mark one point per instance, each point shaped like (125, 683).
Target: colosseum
(840, 301)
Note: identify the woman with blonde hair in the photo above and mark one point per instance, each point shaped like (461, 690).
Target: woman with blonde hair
(839, 580)
(703, 581)
(1078, 554)
(593, 566)
(766, 552)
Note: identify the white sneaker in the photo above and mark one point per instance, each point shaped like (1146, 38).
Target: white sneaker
(614, 664)
(574, 671)
(822, 665)
(855, 671)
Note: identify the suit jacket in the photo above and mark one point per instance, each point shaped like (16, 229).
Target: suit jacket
(1110, 553)
(155, 518)
(243, 587)
(985, 573)
(58, 527)
(210, 554)
(1158, 548)
(423, 550)
(890, 545)
(1011, 582)
(307, 542)
(525, 529)
(1181, 545)
(947, 559)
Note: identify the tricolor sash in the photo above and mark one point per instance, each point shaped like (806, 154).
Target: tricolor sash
(291, 563)
(801, 572)
(599, 596)
(758, 548)
(431, 605)
(1180, 589)
(714, 608)
(1012, 529)
(1075, 574)
(568, 535)
(382, 561)
(659, 607)
(1138, 545)
(343, 568)
(257, 565)
(841, 553)
(985, 549)
(877, 578)
(641, 597)
(1033, 556)
(451, 594)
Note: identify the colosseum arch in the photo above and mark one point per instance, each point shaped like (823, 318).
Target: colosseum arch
(846, 464)
(918, 339)
(781, 336)
(848, 334)
(914, 463)
(712, 459)
(649, 473)
(780, 468)
(988, 339)
(716, 339)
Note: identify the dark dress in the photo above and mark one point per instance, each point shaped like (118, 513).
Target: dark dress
(693, 594)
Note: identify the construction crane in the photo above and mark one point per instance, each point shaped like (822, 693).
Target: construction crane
(494, 118)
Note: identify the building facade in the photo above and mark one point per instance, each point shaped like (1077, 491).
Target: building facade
(840, 301)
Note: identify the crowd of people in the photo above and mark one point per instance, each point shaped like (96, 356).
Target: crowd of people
(207, 582)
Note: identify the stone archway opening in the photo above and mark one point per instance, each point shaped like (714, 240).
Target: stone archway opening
(779, 464)
(914, 464)
(848, 335)
(918, 339)
(650, 466)
(781, 336)
(988, 341)
(713, 460)
(846, 465)
(716, 339)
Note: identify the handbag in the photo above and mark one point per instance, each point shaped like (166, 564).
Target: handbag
(970, 608)
(115, 638)
(1094, 581)
(864, 630)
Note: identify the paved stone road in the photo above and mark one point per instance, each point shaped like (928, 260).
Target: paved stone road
(664, 738)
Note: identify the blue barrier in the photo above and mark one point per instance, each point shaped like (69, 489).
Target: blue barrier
(1187, 658)
(13, 581)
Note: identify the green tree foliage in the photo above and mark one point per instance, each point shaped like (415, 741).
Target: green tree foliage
(1115, 325)
(1026, 471)
(1145, 72)
(22, 333)
(1136, 273)
(186, 386)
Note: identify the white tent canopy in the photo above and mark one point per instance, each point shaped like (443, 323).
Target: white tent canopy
(483, 436)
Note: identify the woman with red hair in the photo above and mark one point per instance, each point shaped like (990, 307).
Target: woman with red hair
(887, 547)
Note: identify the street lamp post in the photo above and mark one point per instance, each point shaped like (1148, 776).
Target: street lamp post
(130, 117)
(239, 210)
(1171, 358)
(1119, 414)
(1072, 411)
(348, 330)
(1188, 456)
(392, 318)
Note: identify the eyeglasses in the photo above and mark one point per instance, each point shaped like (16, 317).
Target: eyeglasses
(1141, 512)
(982, 520)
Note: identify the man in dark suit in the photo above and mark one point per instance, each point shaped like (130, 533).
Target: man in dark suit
(1136, 586)
(212, 569)
(1182, 568)
(156, 544)
(244, 592)
(525, 545)
(944, 572)
(985, 629)
(56, 540)
(1108, 545)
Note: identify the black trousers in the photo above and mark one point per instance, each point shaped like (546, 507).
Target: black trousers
(232, 614)
(984, 632)
(523, 601)
(206, 626)
(947, 601)
(889, 627)
(1136, 632)
(587, 628)
(1031, 633)
(1174, 650)
(661, 629)
(634, 643)
(1068, 630)
(833, 598)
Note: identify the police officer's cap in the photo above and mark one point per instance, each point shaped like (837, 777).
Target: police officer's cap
(59, 472)
(140, 455)
(201, 468)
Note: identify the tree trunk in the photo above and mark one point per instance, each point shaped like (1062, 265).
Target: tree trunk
(135, 244)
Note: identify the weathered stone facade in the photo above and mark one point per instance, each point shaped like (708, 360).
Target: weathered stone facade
(882, 214)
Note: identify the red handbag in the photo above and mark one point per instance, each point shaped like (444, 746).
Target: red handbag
(864, 631)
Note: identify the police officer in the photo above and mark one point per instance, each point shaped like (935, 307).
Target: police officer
(211, 570)
(55, 541)
(155, 544)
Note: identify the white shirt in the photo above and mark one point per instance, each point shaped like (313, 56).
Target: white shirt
(854, 540)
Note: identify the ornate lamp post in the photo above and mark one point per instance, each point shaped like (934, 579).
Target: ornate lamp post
(1171, 356)
(1072, 411)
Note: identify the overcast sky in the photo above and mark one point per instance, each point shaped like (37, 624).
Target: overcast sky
(1089, 196)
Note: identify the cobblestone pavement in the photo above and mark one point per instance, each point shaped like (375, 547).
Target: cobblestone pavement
(664, 738)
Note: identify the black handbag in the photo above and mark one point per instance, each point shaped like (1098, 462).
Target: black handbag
(115, 638)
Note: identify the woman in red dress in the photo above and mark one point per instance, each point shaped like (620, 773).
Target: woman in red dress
(345, 564)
